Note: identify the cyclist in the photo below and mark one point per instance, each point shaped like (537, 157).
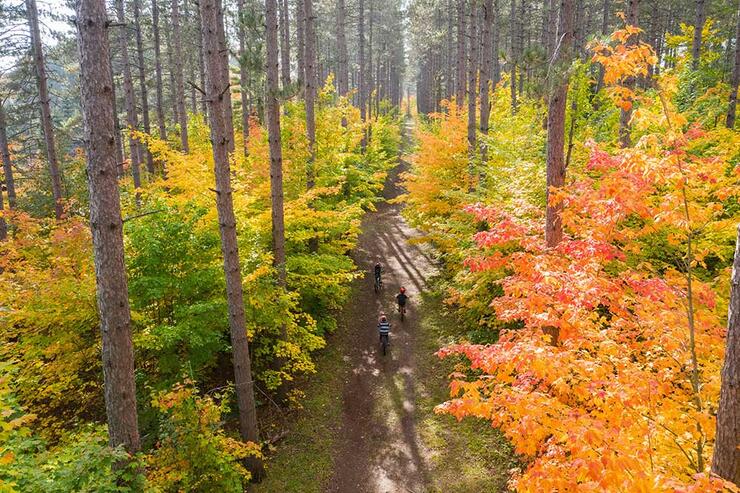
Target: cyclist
(401, 299)
(384, 327)
(378, 271)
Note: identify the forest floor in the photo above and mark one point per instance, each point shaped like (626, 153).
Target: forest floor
(368, 423)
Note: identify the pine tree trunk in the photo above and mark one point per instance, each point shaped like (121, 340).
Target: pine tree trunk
(179, 89)
(363, 72)
(485, 73)
(726, 458)
(225, 79)
(218, 101)
(496, 29)
(273, 130)
(301, 43)
(310, 91)
(514, 36)
(284, 42)
(732, 106)
(142, 84)
(370, 74)
(625, 115)
(556, 126)
(604, 28)
(698, 27)
(132, 120)
(472, 92)
(243, 76)
(117, 136)
(158, 71)
(201, 66)
(47, 125)
(342, 73)
(460, 84)
(7, 163)
(106, 225)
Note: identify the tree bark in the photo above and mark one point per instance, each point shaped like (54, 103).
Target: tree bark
(225, 78)
(732, 106)
(142, 84)
(726, 458)
(460, 85)
(273, 130)
(698, 27)
(7, 163)
(472, 92)
(343, 66)
(47, 125)
(513, 26)
(218, 101)
(158, 70)
(604, 31)
(310, 91)
(496, 29)
(625, 115)
(556, 126)
(132, 120)
(301, 43)
(362, 84)
(284, 42)
(485, 73)
(179, 89)
(243, 76)
(106, 225)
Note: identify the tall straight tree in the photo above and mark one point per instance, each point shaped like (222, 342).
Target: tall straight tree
(726, 458)
(460, 85)
(158, 71)
(243, 75)
(735, 80)
(486, 57)
(132, 120)
(556, 124)
(106, 225)
(142, 83)
(472, 90)
(625, 115)
(47, 126)
(218, 99)
(300, 43)
(310, 91)
(699, 18)
(284, 42)
(7, 163)
(343, 62)
(179, 88)
(514, 53)
(273, 131)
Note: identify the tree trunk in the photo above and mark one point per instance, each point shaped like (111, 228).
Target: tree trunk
(201, 66)
(495, 49)
(625, 115)
(301, 43)
(472, 90)
(218, 101)
(556, 126)
(179, 89)
(284, 42)
(243, 76)
(225, 78)
(343, 70)
(513, 26)
(106, 225)
(273, 130)
(460, 85)
(369, 73)
(47, 125)
(7, 164)
(730, 122)
(726, 458)
(485, 73)
(142, 83)
(698, 27)
(604, 31)
(132, 120)
(158, 70)
(310, 91)
(117, 136)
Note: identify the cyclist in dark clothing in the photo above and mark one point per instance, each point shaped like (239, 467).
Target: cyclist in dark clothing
(402, 298)
(378, 272)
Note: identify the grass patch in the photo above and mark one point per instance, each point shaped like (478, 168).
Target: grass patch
(303, 460)
(465, 457)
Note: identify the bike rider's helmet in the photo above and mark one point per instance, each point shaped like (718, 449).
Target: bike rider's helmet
(403, 290)
(383, 317)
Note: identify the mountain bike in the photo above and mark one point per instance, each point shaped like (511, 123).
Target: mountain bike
(378, 284)
(384, 343)
(402, 311)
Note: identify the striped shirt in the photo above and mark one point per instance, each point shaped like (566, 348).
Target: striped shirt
(384, 327)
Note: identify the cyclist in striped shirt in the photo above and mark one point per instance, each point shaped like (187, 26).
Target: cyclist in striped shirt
(384, 326)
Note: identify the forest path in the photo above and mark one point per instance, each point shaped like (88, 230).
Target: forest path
(379, 449)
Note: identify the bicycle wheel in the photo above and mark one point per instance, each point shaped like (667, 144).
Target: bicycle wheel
(384, 344)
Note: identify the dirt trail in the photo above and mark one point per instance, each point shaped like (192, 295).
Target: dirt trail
(379, 450)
